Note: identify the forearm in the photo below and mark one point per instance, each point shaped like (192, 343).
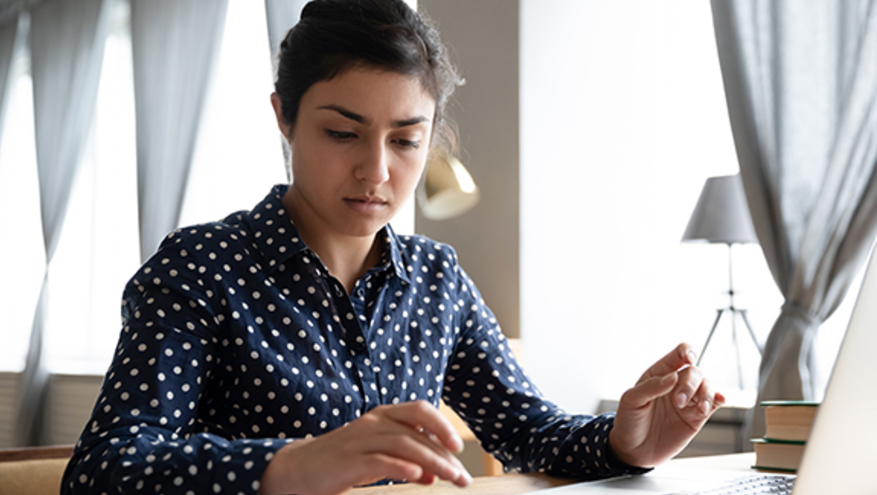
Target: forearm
(154, 461)
(573, 446)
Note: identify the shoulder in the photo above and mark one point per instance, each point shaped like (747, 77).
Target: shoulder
(434, 266)
(198, 251)
(193, 261)
(231, 230)
(418, 251)
(208, 244)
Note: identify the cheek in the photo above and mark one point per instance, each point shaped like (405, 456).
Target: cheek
(411, 175)
(312, 164)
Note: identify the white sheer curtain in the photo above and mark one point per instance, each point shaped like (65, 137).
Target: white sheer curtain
(801, 87)
(67, 43)
(174, 45)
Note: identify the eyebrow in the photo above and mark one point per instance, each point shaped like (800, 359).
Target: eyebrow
(362, 120)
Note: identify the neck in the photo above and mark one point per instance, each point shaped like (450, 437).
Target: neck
(346, 257)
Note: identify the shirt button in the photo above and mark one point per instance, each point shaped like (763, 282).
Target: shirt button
(360, 292)
(359, 347)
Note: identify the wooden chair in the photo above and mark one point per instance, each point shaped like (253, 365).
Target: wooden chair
(33, 470)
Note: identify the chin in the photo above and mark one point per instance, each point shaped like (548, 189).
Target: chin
(365, 229)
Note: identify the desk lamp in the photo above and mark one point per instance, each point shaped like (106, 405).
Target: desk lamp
(721, 216)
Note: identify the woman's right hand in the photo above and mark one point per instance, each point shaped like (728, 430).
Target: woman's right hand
(410, 441)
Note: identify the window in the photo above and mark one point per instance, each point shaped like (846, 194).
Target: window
(237, 159)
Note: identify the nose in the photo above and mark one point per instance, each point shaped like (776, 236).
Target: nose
(374, 166)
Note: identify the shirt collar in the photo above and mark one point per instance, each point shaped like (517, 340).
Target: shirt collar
(393, 248)
(276, 236)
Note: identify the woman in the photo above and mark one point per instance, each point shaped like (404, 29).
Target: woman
(302, 347)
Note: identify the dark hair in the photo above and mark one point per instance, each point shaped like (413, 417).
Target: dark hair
(336, 35)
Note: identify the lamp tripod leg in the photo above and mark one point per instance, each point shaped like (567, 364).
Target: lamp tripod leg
(710, 335)
(751, 333)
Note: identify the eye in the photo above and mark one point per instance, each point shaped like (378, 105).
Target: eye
(341, 136)
(407, 143)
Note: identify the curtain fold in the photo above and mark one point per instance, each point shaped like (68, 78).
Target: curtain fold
(801, 88)
(67, 40)
(281, 16)
(174, 47)
(13, 8)
(9, 29)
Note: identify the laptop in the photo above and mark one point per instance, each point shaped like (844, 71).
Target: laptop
(841, 450)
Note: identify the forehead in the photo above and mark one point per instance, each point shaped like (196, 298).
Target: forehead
(373, 93)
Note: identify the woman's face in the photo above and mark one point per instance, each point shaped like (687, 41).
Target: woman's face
(359, 145)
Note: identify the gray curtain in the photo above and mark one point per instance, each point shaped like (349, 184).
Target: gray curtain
(174, 46)
(67, 40)
(801, 86)
(12, 8)
(282, 15)
(8, 37)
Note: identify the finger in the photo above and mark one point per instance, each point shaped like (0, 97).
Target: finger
(380, 466)
(690, 381)
(429, 441)
(648, 390)
(427, 479)
(707, 399)
(417, 451)
(405, 420)
(683, 355)
(423, 415)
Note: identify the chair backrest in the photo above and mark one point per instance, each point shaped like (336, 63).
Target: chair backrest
(33, 470)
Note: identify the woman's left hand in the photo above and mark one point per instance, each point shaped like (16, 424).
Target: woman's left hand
(665, 409)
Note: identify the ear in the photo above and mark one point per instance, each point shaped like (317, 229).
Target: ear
(285, 127)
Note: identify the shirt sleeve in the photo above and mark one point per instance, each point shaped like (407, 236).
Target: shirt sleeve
(145, 434)
(486, 386)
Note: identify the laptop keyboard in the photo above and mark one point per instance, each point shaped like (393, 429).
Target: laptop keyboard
(761, 484)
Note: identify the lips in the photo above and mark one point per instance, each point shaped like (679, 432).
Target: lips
(366, 204)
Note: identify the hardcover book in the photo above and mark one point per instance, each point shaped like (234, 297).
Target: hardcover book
(776, 455)
(789, 420)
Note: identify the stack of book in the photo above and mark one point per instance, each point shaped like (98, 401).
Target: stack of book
(787, 427)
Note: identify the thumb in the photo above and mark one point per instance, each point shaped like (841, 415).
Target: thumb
(648, 390)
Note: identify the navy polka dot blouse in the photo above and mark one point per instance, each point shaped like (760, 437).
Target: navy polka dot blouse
(236, 340)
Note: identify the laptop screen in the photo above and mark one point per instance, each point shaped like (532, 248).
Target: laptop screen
(841, 449)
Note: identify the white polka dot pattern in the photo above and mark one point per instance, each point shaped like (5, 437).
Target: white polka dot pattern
(237, 340)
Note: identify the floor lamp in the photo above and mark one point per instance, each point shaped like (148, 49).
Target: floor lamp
(721, 216)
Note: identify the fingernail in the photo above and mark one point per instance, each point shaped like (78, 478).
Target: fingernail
(467, 477)
(459, 441)
(681, 400)
(705, 406)
(692, 356)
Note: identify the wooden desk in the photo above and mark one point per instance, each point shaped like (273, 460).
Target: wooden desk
(513, 484)
(506, 484)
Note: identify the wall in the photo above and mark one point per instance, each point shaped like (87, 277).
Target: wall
(622, 119)
(483, 39)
